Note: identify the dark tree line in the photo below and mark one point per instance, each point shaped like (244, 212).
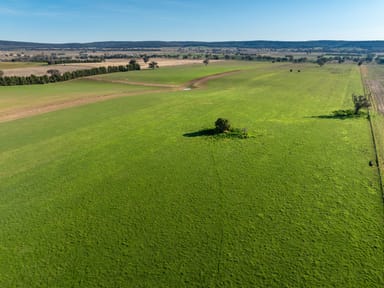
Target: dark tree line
(53, 60)
(70, 61)
(322, 45)
(57, 77)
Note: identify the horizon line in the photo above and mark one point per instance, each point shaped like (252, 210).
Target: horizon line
(193, 41)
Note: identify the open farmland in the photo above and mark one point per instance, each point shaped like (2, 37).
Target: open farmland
(128, 193)
(21, 65)
(21, 101)
(40, 69)
(179, 74)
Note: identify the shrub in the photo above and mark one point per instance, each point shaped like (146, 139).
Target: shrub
(222, 125)
(53, 72)
(343, 113)
(239, 133)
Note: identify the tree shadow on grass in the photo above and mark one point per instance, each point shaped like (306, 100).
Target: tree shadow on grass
(341, 115)
(201, 133)
(234, 133)
(333, 117)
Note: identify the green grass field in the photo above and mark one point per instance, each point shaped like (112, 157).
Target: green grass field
(19, 97)
(12, 65)
(114, 194)
(177, 75)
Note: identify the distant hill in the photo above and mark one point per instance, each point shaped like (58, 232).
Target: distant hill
(323, 45)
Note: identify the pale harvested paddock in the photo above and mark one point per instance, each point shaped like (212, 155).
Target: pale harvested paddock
(42, 70)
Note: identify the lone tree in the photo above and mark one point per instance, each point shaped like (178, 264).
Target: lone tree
(133, 65)
(153, 65)
(222, 125)
(360, 101)
(206, 61)
(53, 72)
(132, 62)
(321, 61)
(145, 59)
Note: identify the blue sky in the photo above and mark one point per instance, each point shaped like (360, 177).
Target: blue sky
(199, 20)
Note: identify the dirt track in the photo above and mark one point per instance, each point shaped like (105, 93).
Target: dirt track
(54, 106)
(135, 83)
(196, 83)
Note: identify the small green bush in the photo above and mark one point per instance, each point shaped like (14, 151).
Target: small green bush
(222, 125)
(239, 133)
(343, 113)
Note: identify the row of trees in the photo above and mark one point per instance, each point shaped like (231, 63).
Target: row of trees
(237, 56)
(55, 76)
(72, 61)
(55, 59)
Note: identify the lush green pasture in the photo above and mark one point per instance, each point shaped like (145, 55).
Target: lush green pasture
(114, 194)
(179, 74)
(18, 97)
(12, 65)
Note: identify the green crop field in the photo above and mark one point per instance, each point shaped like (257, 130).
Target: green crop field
(128, 193)
(19, 97)
(179, 74)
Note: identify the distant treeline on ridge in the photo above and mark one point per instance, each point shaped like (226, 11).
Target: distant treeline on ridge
(323, 45)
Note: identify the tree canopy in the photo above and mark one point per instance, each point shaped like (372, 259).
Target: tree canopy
(360, 101)
(153, 65)
(222, 125)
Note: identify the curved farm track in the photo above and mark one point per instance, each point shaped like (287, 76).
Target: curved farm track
(60, 105)
(145, 84)
(197, 83)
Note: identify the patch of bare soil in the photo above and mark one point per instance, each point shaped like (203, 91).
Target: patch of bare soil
(54, 106)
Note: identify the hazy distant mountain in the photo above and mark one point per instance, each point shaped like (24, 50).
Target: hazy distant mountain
(325, 45)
